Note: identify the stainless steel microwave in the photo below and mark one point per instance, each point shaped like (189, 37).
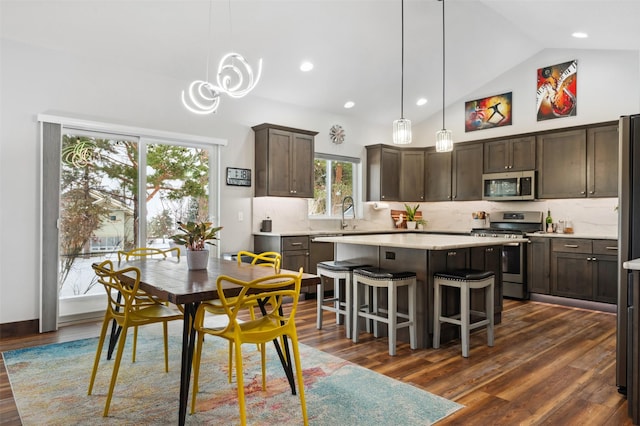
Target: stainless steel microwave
(509, 186)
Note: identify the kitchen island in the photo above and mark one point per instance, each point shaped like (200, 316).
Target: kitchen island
(426, 254)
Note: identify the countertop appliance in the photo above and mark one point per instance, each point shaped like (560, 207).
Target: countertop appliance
(509, 186)
(627, 355)
(513, 224)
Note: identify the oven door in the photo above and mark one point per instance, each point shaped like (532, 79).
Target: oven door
(513, 263)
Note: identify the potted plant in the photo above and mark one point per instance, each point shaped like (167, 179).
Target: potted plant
(411, 215)
(194, 236)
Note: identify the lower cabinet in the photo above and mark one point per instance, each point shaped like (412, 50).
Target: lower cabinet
(297, 251)
(538, 272)
(584, 269)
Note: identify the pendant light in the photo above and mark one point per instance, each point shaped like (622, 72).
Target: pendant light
(444, 137)
(234, 77)
(402, 126)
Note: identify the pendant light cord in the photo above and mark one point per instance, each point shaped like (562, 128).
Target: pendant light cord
(402, 64)
(443, 32)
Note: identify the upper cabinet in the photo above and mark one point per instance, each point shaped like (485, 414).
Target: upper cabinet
(602, 161)
(283, 161)
(454, 176)
(412, 175)
(507, 155)
(383, 173)
(578, 163)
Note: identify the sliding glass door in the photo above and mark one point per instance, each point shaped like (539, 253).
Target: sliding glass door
(117, 193)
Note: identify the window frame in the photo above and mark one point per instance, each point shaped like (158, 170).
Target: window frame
(356, 187)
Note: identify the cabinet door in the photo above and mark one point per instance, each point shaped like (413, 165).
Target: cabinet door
(605, 278)
(279, 163)
(538, 265)
(562, 158)
(293, 260)
(383, 173)
(602, 158)
(301, 166)
(412, 177)
(496, 156)
(467, 172)
(572, 275)
(522, 153)
(437, 175)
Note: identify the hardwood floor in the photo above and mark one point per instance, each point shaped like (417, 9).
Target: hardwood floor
(550, 365)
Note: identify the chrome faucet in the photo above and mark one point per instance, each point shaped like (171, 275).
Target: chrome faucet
(346, 207)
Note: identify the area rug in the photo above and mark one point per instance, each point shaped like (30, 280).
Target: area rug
(50, 382)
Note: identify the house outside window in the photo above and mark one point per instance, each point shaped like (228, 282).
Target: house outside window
(335, 177)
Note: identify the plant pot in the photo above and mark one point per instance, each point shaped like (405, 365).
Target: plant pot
(197, 259)
(411, 225)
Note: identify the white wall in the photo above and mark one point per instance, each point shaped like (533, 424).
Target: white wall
(34, 81)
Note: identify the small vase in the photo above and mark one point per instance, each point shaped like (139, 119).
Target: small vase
(411, 225)
(197, 259)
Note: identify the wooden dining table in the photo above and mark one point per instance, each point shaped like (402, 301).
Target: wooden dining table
(170, 280)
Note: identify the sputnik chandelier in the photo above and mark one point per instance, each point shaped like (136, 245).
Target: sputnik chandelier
(234, 78)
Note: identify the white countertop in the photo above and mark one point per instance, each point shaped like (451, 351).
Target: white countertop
(337, 232)
(632, 264)
(420, 241)
(590, 236)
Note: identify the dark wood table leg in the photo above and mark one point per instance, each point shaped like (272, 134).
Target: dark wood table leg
(188, 343)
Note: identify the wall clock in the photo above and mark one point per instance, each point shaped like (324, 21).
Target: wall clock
(336, 134)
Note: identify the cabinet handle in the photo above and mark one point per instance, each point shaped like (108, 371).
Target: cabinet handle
(489, 249)
(592, 192)
(611, 248)
(589, 259)
(452, 253)
(594, 259)
(506, 167)
(571, 245)
(582, 192)
(299, 244)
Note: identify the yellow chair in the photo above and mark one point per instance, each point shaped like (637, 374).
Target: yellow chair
(133, 308)
(138, 253)
(214, 307)
(274, 324)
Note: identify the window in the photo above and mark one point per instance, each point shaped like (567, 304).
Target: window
(335, 178)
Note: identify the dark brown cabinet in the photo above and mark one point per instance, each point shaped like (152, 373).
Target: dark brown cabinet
(578, 163)
(602, 161)
(454, 175)
(538, 257)
(488, 259)
(412, 175)
(437, 175)
(283, 161)
(584, 269)
(383, 173)
(297, 251)
(506, 155)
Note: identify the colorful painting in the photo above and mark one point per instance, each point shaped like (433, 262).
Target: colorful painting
(486, 113)
(557, 94)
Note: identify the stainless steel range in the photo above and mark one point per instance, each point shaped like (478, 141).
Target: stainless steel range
(513, 224)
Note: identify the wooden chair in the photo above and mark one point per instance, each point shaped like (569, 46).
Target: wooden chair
(133, 308)
(273, 324)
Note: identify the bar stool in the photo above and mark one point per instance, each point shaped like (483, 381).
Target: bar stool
(338, 270)
(375, 278)
(465, 280)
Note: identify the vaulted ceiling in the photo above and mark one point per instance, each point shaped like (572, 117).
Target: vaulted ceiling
(354, 44)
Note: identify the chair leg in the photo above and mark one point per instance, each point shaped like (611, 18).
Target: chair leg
(166, 345)
(96, 362)
(392, 317)
(263, 361)
(490, 301)
(240, 384)
(348, 289)
(135, 341)
(230, 360)
(436, 314)
(464, 319)
(296, 357)
(319, 302)
(413, 334)
(116, 367)
(336, 302)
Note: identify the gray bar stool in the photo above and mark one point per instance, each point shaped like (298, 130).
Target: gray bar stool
(338, 270)
(465, 280)
(373, 279)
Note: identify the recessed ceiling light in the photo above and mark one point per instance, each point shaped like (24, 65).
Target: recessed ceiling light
(579, 34)
(306, 66)
(349, 104)
(421, 101)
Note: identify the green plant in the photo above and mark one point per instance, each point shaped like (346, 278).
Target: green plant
(195, 235)
(411, 212)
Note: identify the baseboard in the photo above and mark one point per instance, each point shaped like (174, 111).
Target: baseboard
(20, 328)
(574, 303)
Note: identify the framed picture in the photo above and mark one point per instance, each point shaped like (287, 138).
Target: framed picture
(557, 94)
(486, 113)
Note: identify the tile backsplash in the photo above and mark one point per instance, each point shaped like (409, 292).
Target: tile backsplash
(592, 216)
